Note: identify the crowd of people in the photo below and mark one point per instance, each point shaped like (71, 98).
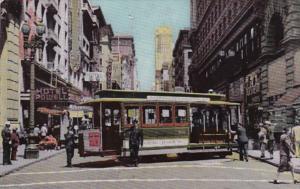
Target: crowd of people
(289, 145)
(47, 137)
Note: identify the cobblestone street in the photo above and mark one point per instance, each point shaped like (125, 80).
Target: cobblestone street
(97, 172)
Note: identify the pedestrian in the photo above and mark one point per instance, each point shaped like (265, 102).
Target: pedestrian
(262, 136)
(6, 136)
(36, 131)
(135, 141)
(285, 159)
(296, 138)
(270, 138)
(243, 142)
(15, 142)
(44, 131)
(69, 144)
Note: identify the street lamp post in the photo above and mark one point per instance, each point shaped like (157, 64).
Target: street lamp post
(31, 150)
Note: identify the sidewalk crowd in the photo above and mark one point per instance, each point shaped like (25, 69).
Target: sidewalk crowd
(289, 147)
(13, 148)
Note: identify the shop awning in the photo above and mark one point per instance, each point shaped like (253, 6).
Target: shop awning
(45, 110)
(80, 114)
(289, 98)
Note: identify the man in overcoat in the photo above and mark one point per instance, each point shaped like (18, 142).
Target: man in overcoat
(135, 141)
(70, 145)
(6, 136)
(243, 142)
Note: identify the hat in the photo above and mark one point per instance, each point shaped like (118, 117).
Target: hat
(268, 122)
(7, 123)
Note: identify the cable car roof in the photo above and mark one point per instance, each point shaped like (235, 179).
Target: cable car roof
(139, 100)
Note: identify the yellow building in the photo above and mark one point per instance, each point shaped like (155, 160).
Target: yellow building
(9, 72)
(163, 54)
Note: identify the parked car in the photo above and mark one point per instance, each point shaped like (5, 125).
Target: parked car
(48, 143)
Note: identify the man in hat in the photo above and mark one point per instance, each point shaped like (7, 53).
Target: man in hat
(262, 136)
(15, 141)
(285, 160)
(6, 136)
(271, 138)
(135, 141)
(70, 145)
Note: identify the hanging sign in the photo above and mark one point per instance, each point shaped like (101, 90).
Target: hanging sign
(51, 94)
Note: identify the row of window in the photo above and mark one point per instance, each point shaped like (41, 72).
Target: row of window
(203, 119)
(150, 115)
(208, 39)
(246, 48)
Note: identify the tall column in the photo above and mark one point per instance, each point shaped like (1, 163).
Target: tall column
(32, 89)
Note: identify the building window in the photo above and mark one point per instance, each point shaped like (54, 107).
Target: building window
(229, 17)
(190, 54)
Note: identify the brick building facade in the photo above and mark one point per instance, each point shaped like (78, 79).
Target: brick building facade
(248, 50)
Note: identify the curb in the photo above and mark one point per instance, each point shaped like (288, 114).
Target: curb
(296, 170)
(29, 163)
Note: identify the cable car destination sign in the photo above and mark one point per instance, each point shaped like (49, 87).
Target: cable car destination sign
(52, 94)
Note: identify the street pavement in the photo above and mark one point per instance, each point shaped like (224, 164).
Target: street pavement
(21, 162)
(276, 159)
(192, 172)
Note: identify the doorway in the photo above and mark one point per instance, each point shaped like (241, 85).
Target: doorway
(111, 125)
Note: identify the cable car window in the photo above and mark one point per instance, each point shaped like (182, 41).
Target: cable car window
(210, 121)
(131, 114)
(107, 117)
(149, 115)
(116, 117)
(165, 113)
(181, 114)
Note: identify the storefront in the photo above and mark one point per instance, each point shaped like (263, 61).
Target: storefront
(253, 108)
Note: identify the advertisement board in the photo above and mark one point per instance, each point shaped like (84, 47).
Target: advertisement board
(94, 76)
(92, 140)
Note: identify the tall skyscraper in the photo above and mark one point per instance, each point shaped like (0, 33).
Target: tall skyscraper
(163, 57)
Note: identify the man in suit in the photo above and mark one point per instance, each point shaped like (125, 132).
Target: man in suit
(70, 145)
(135, 141)
(243, 142)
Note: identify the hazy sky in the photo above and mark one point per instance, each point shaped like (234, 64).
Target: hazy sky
(146, 16)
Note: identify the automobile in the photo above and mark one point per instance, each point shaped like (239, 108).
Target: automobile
(48, 143)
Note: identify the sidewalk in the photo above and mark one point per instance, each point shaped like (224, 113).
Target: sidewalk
(275, 162)
(21, 162)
